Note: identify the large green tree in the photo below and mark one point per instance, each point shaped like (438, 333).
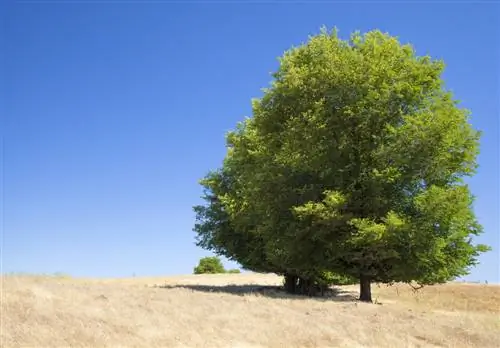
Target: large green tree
(352, 163)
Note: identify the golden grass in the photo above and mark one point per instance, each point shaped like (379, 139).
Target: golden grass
(225, 311)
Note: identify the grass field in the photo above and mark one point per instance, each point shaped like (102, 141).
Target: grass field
(236, 311)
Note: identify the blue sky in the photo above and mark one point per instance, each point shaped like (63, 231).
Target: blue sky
(113, 111)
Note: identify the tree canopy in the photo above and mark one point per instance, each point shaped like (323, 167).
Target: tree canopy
(351, 167)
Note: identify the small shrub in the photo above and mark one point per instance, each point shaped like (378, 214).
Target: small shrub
(62, 275)
(209, 265)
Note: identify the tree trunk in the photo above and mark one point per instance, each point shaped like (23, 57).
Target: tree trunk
(365, 288)
(307, 287)
(290, 283)
(302, 286)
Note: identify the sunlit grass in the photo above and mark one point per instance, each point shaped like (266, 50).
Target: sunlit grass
(239, 310)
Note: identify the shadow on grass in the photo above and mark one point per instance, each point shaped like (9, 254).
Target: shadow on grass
(332, 294)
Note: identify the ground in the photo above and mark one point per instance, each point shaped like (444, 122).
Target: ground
(236, 311)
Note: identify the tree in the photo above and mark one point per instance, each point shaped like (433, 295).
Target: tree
(353, 164)
(209, 265)
(234, 271)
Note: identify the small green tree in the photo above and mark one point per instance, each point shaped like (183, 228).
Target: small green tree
(209, 265)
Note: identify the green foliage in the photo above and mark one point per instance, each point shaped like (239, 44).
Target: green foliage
(353, 165)
(234, 271)
(209, 265)
(330, 278)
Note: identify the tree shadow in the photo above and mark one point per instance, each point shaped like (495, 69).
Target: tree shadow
(331, 294)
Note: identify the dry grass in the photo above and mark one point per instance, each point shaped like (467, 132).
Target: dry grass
(225, 311)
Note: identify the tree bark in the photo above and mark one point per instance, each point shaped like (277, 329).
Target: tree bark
(302, 286)
(290, 283)
(308, 287)
(365, 288)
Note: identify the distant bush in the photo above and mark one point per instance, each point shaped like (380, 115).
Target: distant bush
(61, 275)
(212, 265)
(209, 265)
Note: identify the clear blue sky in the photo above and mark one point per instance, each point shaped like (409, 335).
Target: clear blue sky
(114, 111)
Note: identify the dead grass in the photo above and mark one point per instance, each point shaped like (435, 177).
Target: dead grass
(233, 311)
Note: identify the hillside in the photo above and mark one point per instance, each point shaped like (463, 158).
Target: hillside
(236, 311)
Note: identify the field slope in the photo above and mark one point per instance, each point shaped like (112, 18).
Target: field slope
(239, 311)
